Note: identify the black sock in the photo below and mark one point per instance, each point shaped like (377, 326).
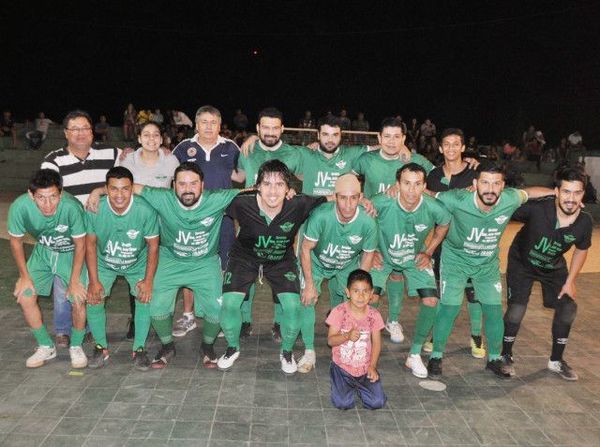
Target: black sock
(477, 340)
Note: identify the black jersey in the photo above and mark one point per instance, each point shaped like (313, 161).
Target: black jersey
(437, 182)
(540, 243)
(268, 241)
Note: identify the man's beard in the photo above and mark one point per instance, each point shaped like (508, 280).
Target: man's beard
(189, 203)
(265, 143)
(496, 196)
(328, 151)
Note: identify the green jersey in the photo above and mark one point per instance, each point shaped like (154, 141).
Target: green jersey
(380, 173)
(54, 232)
(320, 173)
(189, 233)
(402, 233)
(339, 244)
(290, 155)
(121, 238)
(474, 234)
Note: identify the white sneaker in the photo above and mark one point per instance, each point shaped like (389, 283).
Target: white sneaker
(288, 364)
(183, 325)
(561, 368)
(416, 365)
(227, 360)
(78, 357)
(307, 361)
(395, 330)
(41, 355)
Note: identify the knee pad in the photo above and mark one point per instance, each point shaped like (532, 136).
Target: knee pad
(566, 310)
(470, 294)
(515, 313)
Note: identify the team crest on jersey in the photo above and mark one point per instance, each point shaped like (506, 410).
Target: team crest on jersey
(569, 238)
(341, 164)
(133, 234)
(286, 227)
(420, 227)
(290, 276)
(191, 151)
(501, 219)
(498, 287)
(61, 228)
(355, 239)
(207, 221)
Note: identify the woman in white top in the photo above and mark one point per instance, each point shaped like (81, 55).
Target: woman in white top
(149, 164)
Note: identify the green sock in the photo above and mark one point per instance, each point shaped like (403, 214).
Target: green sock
(442, 328)
(210, 331)
(142, 324)
(247, 305)
(307, 328)
(475, 317)
(423, 327)
(494, 329)
(290, 322)
(42, 337)
(395, 293)
(77, 336)
(277, 313)
(163, 325)
(231, 317)
(96, 317)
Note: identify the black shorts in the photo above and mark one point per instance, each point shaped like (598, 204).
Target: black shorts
(520, 278)
(242, 272)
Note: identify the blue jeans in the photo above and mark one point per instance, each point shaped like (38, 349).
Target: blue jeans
(344, 386)
(62, 308)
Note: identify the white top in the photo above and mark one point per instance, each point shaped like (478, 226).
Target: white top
(160, 175)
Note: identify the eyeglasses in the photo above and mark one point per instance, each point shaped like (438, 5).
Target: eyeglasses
(79, 129)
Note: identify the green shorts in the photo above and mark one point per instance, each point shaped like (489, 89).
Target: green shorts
(43, 265)
(419, 283)
(454, 275)
(108, 277)
(203, 276)
(337, 279)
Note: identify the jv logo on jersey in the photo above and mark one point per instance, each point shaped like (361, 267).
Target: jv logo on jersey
(62, 228)
(286, 227)
(498, 287)
(207, 221)
(290, 276)
(420, 227)
(355, 239)
(501, 219)
(569, 238)
(341, 164)
(133, 234)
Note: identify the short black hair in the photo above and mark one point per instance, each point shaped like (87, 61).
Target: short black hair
(570, 174)
(359, 275)
(274, 167)
(188, 166)
(453, 131)
(77, 114)
(392, 122)
(44, 178)
(332, 121)
(119, 172)
(491, 168)
(270, 112)
(412, 167)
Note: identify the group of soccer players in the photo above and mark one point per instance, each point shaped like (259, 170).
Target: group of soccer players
(424, 231)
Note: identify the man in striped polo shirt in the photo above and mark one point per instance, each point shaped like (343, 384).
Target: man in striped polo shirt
(82, 168)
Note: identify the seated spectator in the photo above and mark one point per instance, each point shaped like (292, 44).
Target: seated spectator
(225, 131)
(360, 123)
(102, 129)
(307, 122)
(509, 151)
(36, 137)
(181, 120)
(129, 119)
(472, 145)
(428, 133)
(240, 121)
(157, 117)
(142, 118)
(345, 122)
(590, 195)
(7, 127)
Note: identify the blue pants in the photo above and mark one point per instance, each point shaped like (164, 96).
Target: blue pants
(344, 386)
(62, 308)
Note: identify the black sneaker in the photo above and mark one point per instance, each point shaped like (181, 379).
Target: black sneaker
(210, 358)
(497, 367)
(164, 356)
(508, 361)
(276, 333)
(99, 358)
(246, 330)
(561, 368)
(141, 362)
(434, 367)
(130, 330)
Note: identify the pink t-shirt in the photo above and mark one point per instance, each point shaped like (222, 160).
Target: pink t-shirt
(354, 357)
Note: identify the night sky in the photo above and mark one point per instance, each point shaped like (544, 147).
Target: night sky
(490, 67)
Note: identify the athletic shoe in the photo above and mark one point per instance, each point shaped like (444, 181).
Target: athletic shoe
(395, 330)
(288, 364)
(141, 362)
(62, 341)
(428, 346)
(227, 360)
(477, 351)
(100, 357)
(41, 355)
(508, 361)
(78, 357)
(276, 333)
(416, 365)
(183, 326)
(130, 330)
(561, 368)
(164, 356)
(307, 361)
(434, 367)
(246, 330)
(498, 368)
(210, 358)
